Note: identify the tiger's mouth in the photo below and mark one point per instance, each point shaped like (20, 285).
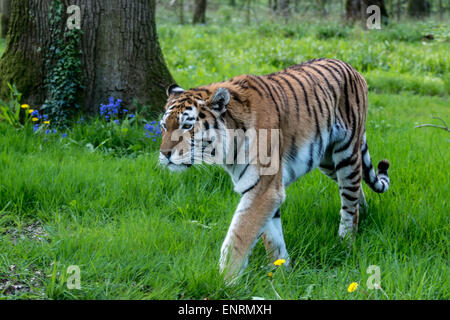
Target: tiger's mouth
(178, 167)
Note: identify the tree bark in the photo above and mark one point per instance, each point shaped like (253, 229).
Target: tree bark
(418, 8)
(181, 11)
(121, 56)
(199, 12)
(356, 9)
(5, 8)
(285, 9)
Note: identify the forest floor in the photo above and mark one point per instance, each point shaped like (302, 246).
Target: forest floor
(138, 231)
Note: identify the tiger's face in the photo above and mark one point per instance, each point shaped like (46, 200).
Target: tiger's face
(191, 127)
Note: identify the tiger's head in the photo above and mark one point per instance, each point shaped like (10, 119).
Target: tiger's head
(191, 123)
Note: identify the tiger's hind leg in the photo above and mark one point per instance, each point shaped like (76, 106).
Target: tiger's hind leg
(273, 239)
(327, 168)
(348, 174)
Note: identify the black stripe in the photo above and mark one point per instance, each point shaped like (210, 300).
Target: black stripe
(330, 87)
(351, 189)
(311, 154)
(273, 99)
(259, 178)
(235, 95)
(292, 153)
(293, 93)
(347, 71)
(346, 162)
(243, 171)
(326, 67)
(318, 101)
(261, 85)
(352, 175)
(352, 134)
(250, 86)
(327, 167)
(282, 93)
(304, 91)
(349, 197)
(365, 148)
(201, 90)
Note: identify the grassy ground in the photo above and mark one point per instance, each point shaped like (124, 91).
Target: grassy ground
(138, 231)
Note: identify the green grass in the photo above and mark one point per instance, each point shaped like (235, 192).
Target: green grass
(138, 231)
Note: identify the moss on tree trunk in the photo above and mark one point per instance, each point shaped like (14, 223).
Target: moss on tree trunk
(199, 11)
(5, 8)
(121, 54)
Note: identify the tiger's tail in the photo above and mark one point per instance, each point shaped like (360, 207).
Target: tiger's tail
(377, 182)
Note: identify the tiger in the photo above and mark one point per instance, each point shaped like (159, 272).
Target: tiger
(319, 110)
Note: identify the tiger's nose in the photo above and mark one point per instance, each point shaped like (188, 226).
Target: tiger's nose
(167, 154)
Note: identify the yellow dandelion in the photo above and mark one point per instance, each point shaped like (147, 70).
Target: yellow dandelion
(25, 106)
(352, 287)
(46, 122)
(279, 262)
(270, 274)
(30, 111)
(35, 119)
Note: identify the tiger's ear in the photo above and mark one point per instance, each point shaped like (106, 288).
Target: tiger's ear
(174, 89)
(220, 100)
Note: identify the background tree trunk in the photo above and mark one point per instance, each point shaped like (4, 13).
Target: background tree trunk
(199, 11)
(181, 2)
(248, 11)
(121, 56)
(418, 8)
(5, 8)
(355, 9)
(285, 9)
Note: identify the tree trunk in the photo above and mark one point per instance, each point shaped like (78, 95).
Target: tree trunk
(121, 56)
(356, 9)
(321, 7)
(181, 11)
(5, 8)
(418, 8)
(248, 12)
(285, 9)
(199, 12)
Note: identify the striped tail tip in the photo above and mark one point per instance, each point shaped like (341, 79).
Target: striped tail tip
(382, 180)
(383, 167)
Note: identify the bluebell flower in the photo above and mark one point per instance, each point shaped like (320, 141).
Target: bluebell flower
(64, 135)
(35, 128)
(131, 116)
(152, 130)
(36, 114)
(47, 131)
(116, 121)
(112, 109)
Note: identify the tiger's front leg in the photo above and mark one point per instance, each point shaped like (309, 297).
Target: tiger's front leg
(256, 208)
